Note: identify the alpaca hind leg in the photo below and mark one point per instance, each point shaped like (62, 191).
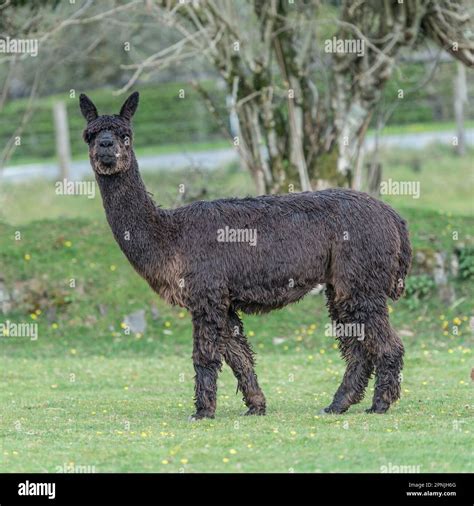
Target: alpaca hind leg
(388, 365)
(359, 369)
(239, 356)
(356, 378)
(208, 330)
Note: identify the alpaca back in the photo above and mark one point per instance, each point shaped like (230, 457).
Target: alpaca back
(340, 237)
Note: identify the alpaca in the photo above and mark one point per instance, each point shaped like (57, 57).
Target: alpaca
(254, 255)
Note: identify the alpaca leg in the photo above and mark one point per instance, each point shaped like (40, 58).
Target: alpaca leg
(356, 378)
(239, 356)
(207, 360)
(388, 365)
(359, 364)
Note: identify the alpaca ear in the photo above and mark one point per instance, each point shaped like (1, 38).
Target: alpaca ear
(88, 109)
(130, 106)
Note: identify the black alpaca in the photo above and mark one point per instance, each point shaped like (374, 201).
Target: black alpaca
(255, 255)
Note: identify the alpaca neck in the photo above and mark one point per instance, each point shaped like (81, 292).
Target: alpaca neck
(138, 225)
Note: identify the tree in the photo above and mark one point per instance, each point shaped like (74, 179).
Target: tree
(303, 92)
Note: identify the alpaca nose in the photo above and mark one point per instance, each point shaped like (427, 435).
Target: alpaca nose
(106, 142)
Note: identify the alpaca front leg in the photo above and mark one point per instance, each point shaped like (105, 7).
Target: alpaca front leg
(207, 361)
(239, 356)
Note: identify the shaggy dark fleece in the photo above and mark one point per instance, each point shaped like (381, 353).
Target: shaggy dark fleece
(255, 255)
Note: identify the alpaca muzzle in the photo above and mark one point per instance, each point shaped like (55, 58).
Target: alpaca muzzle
(106, 149)
(108, 159)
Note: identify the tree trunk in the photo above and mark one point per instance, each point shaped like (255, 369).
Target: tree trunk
(460, 98)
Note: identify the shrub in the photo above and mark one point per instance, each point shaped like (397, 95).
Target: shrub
(418, 288)
(466, 262)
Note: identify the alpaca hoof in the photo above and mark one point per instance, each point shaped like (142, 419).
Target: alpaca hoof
(199, 416)
(332, 410)
(379, 411)
(255, 410)
(379, 406)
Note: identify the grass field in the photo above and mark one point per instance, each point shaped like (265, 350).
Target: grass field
(86, 396)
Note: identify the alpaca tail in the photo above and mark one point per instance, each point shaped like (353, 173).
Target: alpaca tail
(404, 259)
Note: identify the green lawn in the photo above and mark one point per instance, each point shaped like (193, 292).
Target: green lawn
(87, 395)
(129, 413)
(446, 182)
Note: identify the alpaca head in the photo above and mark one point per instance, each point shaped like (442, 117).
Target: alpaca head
(109, 137)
